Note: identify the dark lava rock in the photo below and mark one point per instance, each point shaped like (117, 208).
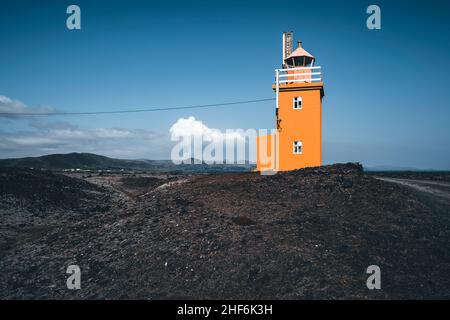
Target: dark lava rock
(243, 221)
(308, 233)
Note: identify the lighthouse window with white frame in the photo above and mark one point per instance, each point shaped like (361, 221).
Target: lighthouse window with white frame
(297, 147)
(297, 103)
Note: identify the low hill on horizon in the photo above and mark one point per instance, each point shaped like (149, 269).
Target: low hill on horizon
(73, 160)
(91, 161)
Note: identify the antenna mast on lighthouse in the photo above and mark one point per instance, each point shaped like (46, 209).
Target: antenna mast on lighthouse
(288, 43)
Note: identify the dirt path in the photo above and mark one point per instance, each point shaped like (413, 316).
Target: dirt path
(436, 189)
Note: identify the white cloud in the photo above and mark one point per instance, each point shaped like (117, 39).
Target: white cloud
(27, 141)
(190, 127)
(10, 108)
(114, 133)
(44, 137)
(114, 142)
(198, 141)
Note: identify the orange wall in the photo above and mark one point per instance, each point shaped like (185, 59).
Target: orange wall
(304, 125)
(265, 154)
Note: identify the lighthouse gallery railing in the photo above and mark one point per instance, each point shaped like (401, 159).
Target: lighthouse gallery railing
(296, 75)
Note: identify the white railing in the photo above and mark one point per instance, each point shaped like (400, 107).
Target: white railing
(302, 74)
(296, 75)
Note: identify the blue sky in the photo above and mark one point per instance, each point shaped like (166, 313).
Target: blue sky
(386, 91)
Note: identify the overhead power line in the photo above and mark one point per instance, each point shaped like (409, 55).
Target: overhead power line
(134, 110)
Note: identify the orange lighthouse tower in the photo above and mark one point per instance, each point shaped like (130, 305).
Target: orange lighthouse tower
(297, 141)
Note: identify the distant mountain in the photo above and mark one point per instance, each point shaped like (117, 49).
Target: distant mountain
(90, 161)
(73, 160)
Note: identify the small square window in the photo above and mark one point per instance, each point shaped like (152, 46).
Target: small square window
(297, 147)
(297, 103)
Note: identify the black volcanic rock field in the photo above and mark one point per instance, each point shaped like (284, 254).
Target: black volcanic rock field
(306, 234)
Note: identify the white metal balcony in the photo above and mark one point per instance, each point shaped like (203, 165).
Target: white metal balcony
(301, 74)
(296, 75)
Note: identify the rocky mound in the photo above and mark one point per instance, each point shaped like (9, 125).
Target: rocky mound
(309, 233)
(33, 202)
(40, 190)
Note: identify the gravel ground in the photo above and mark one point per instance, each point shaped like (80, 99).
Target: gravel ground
(306, 234)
